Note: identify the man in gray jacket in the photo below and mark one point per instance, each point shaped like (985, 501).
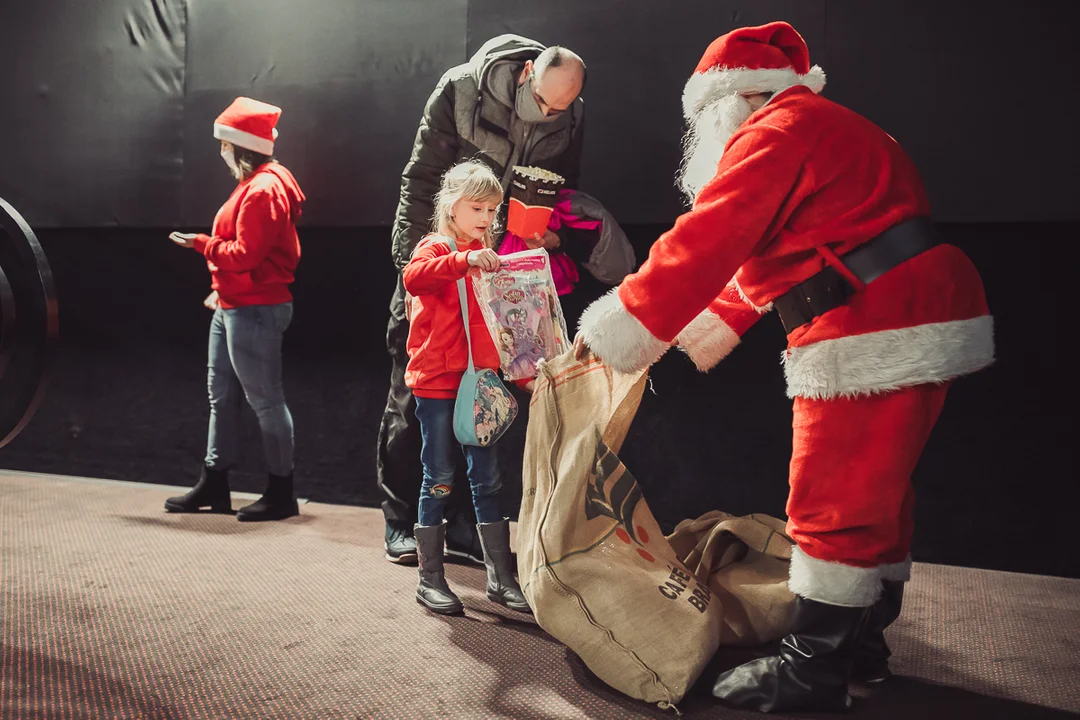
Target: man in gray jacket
(514, 103)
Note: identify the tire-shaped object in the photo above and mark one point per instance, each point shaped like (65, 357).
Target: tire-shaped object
(29, 323)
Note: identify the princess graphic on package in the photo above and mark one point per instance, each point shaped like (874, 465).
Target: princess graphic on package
(523, 363)
(521, 309)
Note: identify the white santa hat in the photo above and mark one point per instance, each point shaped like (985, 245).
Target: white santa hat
(768, 58)
(249, 124)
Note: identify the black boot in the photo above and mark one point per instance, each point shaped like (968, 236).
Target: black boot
(501, 586)
(870, 661)
(433, 592)
(276, 503)
(812, 670)
(400, 545)
(211, 491)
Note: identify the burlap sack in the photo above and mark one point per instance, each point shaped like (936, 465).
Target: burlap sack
(745, 562)
(593, 562)
(595, 566)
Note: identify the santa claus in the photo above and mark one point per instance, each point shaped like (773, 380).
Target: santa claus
(802, 206)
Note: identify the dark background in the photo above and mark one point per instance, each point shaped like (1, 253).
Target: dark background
(106, 111)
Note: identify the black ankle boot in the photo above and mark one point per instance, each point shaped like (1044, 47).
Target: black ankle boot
(212, 491)
(433, 592)
(501, 586)
(870, 661)
(812, 670)
(276, 503)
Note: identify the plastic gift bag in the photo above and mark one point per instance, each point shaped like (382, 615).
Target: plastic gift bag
(521, 308)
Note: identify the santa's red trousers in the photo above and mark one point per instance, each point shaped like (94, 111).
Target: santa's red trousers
(851, 497)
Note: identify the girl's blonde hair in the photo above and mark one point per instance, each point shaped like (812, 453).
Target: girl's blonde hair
(472, 181)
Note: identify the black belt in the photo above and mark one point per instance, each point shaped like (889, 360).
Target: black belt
(828, 289)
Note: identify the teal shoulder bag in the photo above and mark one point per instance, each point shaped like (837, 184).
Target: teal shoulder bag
(484, 408)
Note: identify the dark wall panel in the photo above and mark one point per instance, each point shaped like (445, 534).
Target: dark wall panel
(638, 60)
(351, 78)
(108, 106)
(981, 95)
(91, 108)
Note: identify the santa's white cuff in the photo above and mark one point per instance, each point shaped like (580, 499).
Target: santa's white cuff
(707, 340)
(617, 337)
(897, 572)
(833, 583)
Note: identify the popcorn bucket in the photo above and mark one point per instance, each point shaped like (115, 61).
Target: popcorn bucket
(533, 192)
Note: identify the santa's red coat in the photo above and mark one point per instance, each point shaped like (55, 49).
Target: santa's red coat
(869, 377)
(801, 173)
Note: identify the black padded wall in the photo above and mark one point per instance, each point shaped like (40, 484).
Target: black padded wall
(108, 106)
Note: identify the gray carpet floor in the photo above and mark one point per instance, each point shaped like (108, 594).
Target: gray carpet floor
(109, 607)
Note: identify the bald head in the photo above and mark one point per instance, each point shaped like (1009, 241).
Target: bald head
(557, 76)
(561, 61)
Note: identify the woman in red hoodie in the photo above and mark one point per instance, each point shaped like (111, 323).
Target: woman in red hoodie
(252, 256)
(465, 211)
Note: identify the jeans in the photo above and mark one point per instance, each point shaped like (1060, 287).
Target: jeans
(245, 356)
(437, 433)
(398, 469)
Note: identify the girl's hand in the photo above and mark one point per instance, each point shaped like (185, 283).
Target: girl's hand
(185, 240)
(530, 386)
(211, 301)
(485, 259)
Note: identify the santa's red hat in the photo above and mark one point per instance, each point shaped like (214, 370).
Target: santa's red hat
(769, 58)
(249, 124)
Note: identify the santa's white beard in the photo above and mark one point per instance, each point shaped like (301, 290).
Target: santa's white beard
(704, 141)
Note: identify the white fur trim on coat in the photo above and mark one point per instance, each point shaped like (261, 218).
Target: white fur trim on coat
(890, 359)
(617, 337)
(244, 139)
(707, 340)
(702, 88)
(759, 309)
(833, 583)
(897, 572)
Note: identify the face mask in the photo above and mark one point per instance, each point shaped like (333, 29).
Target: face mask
(527, 108)
(229, 157)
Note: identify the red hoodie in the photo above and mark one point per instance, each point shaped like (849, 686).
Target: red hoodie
(255, 249)
(438, 354)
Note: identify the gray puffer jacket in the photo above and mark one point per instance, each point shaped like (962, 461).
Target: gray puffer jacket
(471, 116)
